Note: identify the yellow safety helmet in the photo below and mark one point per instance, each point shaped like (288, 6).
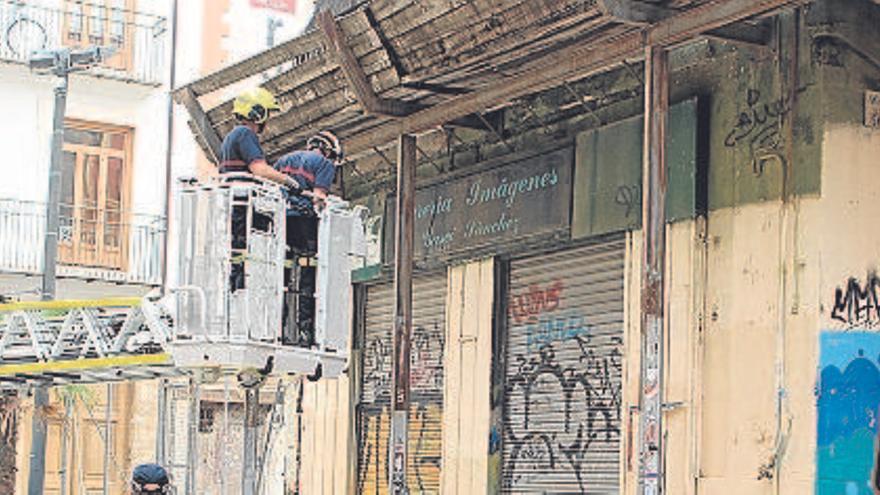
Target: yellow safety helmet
(254, 105)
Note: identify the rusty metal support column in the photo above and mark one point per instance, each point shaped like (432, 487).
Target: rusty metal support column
(404, 240)
(651, 467)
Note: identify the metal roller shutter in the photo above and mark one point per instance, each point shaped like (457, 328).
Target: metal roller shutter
(563, 372)
(426, 375)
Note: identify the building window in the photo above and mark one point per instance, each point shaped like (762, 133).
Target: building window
(95, 191)
(74, 23)
(101, 22)
(206, 418)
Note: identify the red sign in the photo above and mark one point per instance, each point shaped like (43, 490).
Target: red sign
(281, 5)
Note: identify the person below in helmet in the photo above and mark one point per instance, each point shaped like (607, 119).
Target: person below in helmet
(150, 479)
(314, 170)
(241, 150)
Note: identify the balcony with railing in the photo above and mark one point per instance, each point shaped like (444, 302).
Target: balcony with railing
(98, 244)
(138, 37)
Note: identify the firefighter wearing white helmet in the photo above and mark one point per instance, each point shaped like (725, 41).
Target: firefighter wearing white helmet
(314, 170)
(241, 151)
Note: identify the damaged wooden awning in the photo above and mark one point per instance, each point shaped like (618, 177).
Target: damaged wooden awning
(403, 66)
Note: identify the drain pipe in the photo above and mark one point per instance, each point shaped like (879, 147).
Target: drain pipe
(790, 214)
(169, 147)
(787, 248)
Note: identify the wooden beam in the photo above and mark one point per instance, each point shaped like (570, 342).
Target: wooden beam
(638, 12)
(439, 89)
(570, 63)
(748, 33)
(354, 73)
(387, 47)
(203, 125)
(300, 51)
(477, 121)
(633, 11)
(404, 249)
(653, 268)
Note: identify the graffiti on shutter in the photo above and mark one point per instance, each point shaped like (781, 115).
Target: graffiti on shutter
(563, 378)
(426, 381)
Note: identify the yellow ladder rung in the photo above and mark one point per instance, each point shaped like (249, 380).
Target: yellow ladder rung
(110, 302)
(86, 364)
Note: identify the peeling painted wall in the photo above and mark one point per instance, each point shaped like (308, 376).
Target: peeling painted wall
(847, 398)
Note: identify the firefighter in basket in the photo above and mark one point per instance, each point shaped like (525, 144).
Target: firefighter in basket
(314, 170)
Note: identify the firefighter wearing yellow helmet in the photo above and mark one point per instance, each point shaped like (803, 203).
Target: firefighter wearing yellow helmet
(254, 105)
(241, 151)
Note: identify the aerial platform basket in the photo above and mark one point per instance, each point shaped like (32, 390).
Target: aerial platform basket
(229, 301)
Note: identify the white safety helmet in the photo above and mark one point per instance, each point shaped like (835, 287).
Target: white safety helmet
(327, 143)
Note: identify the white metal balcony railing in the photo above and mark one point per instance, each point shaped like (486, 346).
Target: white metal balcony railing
(109, 245)
(139, 38)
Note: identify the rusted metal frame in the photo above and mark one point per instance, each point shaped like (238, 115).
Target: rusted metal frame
(537, 117)
(640, 12)
(653, 300)
(455, 135)
(573, 62)
(633, 72)
(354, 73)
(384, 158)
(404, 249)
(580, 100)
(202, 124)
(450, 147)
(371, 185)
(426, 157)
(494, 131)
(354, 170)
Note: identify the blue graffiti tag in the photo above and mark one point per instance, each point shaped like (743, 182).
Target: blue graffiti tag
(555, 327)
(848, 402)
